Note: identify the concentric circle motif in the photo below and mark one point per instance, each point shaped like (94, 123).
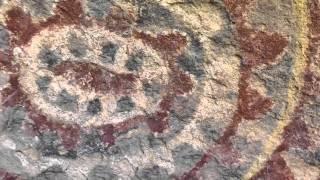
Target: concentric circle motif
(156, 90)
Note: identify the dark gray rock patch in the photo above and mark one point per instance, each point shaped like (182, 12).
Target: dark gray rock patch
(49, 57)
(98, 8)
(185, 157)
(4, 37)
(135, 61)
(49, 143)
(153, 14)
(94, 107)
(102, 173)
(13, 118)
(108, 52)
(151, 89)
(77, 46)
(66, 101)
(39, 8)
(52, 173)
(43, 82)
(125, 104)
(151, 173)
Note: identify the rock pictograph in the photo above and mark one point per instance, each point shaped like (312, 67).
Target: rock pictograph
(160, 89)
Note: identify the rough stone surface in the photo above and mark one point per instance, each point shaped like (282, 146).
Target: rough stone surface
(159, 89)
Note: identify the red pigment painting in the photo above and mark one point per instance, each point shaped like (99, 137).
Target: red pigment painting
(155, 90)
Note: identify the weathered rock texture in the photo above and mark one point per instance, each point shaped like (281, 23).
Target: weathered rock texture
(160, 89)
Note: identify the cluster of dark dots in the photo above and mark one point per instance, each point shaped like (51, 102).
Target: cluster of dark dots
(78, 48)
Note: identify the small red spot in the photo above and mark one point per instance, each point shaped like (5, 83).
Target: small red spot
(70, 135)
(158, 122)
(237, 7)
(252, 104)
(166, 103)
(4, 175)
(108, 137)
(296, 133)
(312, 84)
(181, 83)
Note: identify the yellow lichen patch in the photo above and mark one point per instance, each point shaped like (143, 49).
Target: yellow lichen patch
(295, 85)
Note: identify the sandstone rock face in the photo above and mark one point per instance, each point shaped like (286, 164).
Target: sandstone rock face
(160, 89)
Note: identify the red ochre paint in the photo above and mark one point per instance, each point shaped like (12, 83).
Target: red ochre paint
(257, 48)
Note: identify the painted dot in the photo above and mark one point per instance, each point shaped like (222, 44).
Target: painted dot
(49, 57)
(108, 52)
(66, 101)
(125, 104)
(77, 46)
(135, 62)
(94, 107)
(43, 82)
(151, 89)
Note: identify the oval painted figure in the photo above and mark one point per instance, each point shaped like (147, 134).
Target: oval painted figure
(220, 89)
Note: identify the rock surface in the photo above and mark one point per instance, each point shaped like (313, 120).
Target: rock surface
(160, 89)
